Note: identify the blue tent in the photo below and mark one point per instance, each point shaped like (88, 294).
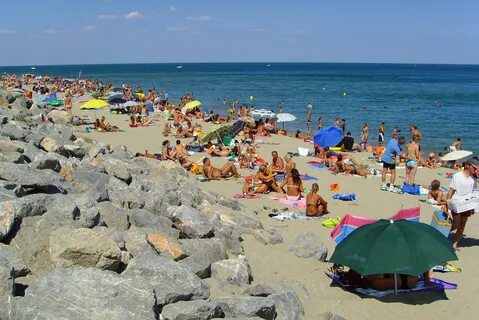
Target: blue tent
(328, 137)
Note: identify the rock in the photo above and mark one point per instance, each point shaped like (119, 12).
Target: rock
(118, 169)
(7, 217)
(7, 146)
(135, 241)
(144, 219)
(114, 217)
(49, 145)
(171, 281)
(165, 246)
(87, 294)
(201, 254)
(234, 271)
(259, 290)
(13, 131)
(307, 245)
(332, 316)
(263, 308)
(43, 181)
(75, 151)
(9, 259)
(194, 310)
(7, 281)
(61, 117)
(275, 238)
(84, 247)
(191, 222)
(14, 157)
(46, 161)
(288, 305)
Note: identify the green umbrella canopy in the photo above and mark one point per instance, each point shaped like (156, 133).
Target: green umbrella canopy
(219, 131)
(394, 247)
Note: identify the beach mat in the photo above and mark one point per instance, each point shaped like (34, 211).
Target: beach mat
(436, 285)
(317, 165)
(246, 196)
(296, 204)
(291, 215)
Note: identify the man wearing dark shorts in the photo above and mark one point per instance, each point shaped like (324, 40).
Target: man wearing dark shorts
(393, 150)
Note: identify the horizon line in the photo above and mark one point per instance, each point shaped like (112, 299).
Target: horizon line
(242, 62)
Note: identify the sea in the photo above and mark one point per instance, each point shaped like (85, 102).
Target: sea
(442, 100)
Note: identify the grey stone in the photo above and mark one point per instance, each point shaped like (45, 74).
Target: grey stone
(7, 281)
(233, 271)
(44, 181)
(14, 157)
(7, 217)
(259, 290)
(7, 146)
(75, 151)
(201, 254)
(307, 245)
(144, 219)
(114, 217)
(192, 310)
(263, 308)
(332, 316)
(88, 248)
(288, 305)
(13, 131)
(88, 294)
(135, 241)
(171, 281)
(275, 238)
(46, 161)
(191, 222)
(60, 117)
(118, 169)
(9, 259)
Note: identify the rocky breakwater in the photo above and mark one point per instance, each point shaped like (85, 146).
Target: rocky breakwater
(87, 231)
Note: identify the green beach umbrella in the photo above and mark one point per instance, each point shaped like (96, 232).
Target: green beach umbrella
(218, 131)
(394, 247)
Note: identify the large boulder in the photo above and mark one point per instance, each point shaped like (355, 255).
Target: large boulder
(114, 217)
(165, 246)
(88, 248)
(135, 241)
(233, 271)
(86, 294)
(307, 245)
(61, 117)
(191, 222)
(7, 281)
(7, 146)
(7, 217)
(171, 281)
(201, 254)
(47, 161)
(197, 310)
(236, 307)
(9, 259)
(118, 169)
(143, 219)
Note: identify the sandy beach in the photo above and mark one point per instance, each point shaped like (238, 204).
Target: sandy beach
(276, 263)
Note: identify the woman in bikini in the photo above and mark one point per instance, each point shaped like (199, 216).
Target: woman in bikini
(315, 204)
(294, 186)
(166, 153)
(264, 181)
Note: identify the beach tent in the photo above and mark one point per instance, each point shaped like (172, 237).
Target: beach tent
(349, 223)
(328, 137)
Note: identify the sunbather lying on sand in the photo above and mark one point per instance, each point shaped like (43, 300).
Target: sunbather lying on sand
(353, 167)
(212, 173)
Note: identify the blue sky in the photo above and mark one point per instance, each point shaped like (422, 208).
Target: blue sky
(121, 31)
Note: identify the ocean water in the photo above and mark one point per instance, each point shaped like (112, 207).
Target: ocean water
(441, 99)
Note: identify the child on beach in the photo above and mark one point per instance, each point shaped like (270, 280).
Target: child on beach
(166, 129)
(435, 195)
(315, 205)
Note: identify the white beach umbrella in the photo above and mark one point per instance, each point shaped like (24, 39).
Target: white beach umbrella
(285, 117)
(456, 155)
(262, 113)
(130, 104)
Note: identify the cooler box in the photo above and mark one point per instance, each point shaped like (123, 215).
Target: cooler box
(461, 204)
(442, 222)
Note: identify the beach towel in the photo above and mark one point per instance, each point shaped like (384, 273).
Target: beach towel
(345, 197)
(435, 285)
(307, 178)
(296, 204)
(246, 196)
(290, 215)
(317, 165)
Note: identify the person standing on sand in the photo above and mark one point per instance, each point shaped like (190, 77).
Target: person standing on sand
(462, 185)
(393, 150)
(364, 136)
(309, 117)
(412, 161)
(381, 134)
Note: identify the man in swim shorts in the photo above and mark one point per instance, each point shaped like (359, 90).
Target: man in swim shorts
(212, 173)
(393, 150)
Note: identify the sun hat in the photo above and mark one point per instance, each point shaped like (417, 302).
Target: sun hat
(473, 161)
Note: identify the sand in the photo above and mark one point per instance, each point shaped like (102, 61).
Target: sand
(275, 262)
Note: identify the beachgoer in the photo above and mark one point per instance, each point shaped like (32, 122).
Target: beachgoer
(294, 186)
(393, 150)
(456, 145)
(352, 167)
(320, 123)
(462, 185)
(416, 135)
(277, 164)
(315, 204)
(348, 142)
(412, 158)
(336, 122)
(167, 153)
(431, 160)
(364, 136)
(381, 134)
(343, 126)
(212, 173)
(268, 179)
(436, 194)
(181, 150)
(166, 129)
(308, 118)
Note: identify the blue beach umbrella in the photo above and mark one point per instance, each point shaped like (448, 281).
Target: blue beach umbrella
(328, 137)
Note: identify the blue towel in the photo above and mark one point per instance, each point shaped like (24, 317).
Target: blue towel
(306, 177)
(345, 197)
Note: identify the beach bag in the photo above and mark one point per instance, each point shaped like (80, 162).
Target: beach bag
(413, 189)
(442, 221)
